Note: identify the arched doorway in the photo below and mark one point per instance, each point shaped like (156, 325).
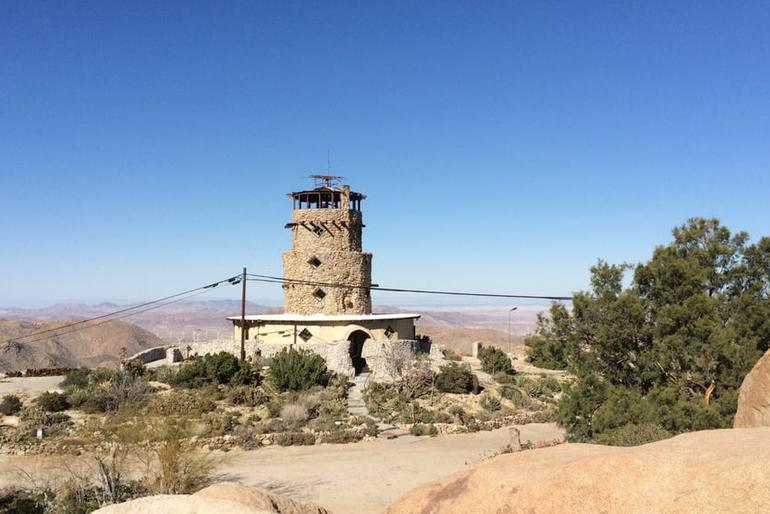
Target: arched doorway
(357, 339)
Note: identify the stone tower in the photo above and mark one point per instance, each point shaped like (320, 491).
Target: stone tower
(326, 249)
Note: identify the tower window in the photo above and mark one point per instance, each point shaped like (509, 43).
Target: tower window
(318, 230)
(314, 261)
(305, 335)
(389, 331)
(319, 294)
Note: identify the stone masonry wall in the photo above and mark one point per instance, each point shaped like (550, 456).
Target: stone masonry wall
(333, 256)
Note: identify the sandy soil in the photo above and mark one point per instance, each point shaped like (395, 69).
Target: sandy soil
(350, 478)
(30, 385)
(369, 476)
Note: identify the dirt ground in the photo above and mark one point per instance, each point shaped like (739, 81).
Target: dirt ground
(30, 385)
(349, 478)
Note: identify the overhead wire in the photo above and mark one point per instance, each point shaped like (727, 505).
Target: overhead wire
(280, 280)
(232, 280)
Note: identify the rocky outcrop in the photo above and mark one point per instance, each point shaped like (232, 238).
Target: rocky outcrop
(259, 498)
(225, 497)
(709, 471)
(754, 398)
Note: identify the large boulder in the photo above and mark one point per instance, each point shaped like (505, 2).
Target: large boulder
(259, 498)
(709, 471)
(754, 398)
(221, 498)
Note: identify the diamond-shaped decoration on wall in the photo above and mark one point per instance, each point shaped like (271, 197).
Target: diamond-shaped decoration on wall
(318, 230)
(305, 335)
(319, 294)
(389, 331)
(314, 261)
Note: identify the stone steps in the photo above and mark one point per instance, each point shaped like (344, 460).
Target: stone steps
(356, 404)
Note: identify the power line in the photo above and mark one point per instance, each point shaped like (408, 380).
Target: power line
(280, 280)
(232, 280)
(110, 320)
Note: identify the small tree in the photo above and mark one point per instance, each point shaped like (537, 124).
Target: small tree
(10, 405)
(494, 360)
(454, 378)
(293, 370)
(53, 402)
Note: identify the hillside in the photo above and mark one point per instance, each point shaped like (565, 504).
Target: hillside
(90, 347)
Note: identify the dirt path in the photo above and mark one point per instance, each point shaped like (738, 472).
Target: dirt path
(29, 385)
(347, 478)
(367, 477)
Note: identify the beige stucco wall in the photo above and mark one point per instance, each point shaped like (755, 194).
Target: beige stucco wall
(284, 332)
(338, 248)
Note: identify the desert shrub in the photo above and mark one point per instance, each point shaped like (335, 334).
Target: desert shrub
(294, 413)
(134, 368)
(165, 374)
(19, 501)
(180, 468)
(33, 417)
(292, 370)
(294, 438)
(452, 356)
(458, 414)
(490, 403)
(220, 423)
(341, 437)
(181, 403)
(442, 417)
(512, 393)
(53, 402)
(249, 396)
(78, 378)
(504, 378)
(10, 405)
(494, 360)
(454, 378)
(420, 429)
(310, 401)
(633, 435)
(216, 368)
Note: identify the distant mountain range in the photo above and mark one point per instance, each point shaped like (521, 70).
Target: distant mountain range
(204, 320)
(454, 327)
(98, 345)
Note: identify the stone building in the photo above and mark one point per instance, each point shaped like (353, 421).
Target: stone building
(327, 295)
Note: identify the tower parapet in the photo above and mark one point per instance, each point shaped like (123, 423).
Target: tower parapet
(327, 227)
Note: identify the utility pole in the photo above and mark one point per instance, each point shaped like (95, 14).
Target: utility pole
(243, 317)
(510, 331)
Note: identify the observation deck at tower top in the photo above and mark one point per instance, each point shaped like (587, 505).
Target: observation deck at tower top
(327, 196)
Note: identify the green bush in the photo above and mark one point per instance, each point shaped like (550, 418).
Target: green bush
(249, 396)
(77, 378)
(494, 360)
(10, 405)
(514, 394)
(18, 501)
(221, 368)
(341, 437)
(53, 402)
(293, 370)
(633, 435)
(454, 378)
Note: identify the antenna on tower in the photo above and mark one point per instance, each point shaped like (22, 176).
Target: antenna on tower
(327, 181)
(328, 162)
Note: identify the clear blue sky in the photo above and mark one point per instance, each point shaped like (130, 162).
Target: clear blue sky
(146, 147)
